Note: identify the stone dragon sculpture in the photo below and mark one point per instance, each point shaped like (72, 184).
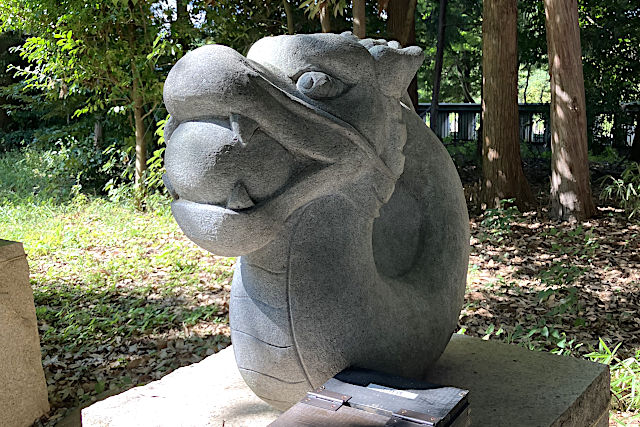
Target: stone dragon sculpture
(306, 159)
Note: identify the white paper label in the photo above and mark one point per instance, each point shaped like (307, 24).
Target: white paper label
(401, 393)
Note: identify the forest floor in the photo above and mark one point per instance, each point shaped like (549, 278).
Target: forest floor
(123, 298)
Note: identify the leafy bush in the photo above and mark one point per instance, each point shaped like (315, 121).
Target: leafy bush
(497, 222)
(462, 153)
(607, 154)
(55, 174)
(13, 140)
(625, 190)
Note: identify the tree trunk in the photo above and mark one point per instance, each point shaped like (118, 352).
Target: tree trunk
(401, 26)
(634, 156)
(97, 134)
(359, 18)
(481, 124)
(526, 84)
(138, 115)
(570, 188)
(289, 13)
(502, 175)
(325, 17)
(141, 142)
(437, 74)
(464, 75)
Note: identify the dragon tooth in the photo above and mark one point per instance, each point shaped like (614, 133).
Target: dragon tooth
(243, 128)
(239, 198)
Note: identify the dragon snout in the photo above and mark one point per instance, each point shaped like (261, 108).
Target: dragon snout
(215, 81)
(215, 153)
(229, 163)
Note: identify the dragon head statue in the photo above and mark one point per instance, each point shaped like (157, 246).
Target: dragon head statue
(306, 158)
(253, 139)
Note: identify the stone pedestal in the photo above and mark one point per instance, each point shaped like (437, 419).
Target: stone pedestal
(23, 396)
(208, 393)
(509, 386)
(512, 386)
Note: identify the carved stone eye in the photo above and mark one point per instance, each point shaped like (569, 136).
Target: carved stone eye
(319, 85)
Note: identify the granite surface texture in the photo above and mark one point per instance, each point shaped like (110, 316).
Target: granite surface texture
(306, 159)
(23, 392)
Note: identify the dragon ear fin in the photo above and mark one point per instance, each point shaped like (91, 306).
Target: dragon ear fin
(396, 67)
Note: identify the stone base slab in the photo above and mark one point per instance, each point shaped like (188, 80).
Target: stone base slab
(509, 386)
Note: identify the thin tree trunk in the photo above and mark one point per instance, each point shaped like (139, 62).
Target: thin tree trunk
(437, 74)
(325, 17)
(634, 156)
(141, 143)
(401, 26)
(97, 134)
(481, 125)
(502, 175)
(526, 84)
(138, 116)
(464, 75)
(289, 13)
(359, 19)
(182, 25)
(570, 187)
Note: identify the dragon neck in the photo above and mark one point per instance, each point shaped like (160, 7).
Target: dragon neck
(373, 189)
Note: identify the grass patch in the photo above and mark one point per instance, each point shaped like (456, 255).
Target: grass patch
(122, 297)
(625, 376)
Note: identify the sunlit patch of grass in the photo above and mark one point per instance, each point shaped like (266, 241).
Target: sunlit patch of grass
(625, 376)
(122, 297)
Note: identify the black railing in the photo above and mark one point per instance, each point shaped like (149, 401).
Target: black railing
(461, 122)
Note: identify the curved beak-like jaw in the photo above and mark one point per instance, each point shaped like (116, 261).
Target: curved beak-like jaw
(245, 150)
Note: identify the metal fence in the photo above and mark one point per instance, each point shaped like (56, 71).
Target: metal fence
(461, 122)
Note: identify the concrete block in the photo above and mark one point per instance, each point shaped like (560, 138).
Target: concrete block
(513, 386)
(23, 397)
(509, 386)
(208, 393)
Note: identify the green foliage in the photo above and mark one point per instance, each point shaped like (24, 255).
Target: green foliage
(240, 24)
(608, 154)
(155, 164)
(625, 376)
(106, 55)
(625, 190)
(56, 174)
(462, 153)
(542, 337)
(461, 71)
(313, 7)
(610, 39)
(533, 84)
(496, 223)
